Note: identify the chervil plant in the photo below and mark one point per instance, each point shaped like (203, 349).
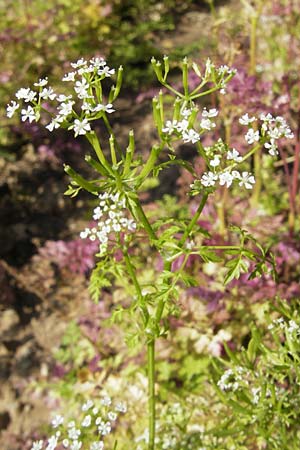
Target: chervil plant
(260, 385)
(124, 230)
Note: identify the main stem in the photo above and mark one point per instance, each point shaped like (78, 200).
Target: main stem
(151, 391)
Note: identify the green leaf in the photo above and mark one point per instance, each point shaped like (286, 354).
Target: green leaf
(208, 255)
(235, 267)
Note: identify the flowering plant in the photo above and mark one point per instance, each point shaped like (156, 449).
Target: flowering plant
(121, 221)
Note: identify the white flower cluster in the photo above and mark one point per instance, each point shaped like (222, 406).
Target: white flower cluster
(256, 394)
(111, 218)
(97, 420)
(184, 128)
(86, 77)
(232, 379)
(226, 178)
(272, 129)
(221, 155)
(290, 327)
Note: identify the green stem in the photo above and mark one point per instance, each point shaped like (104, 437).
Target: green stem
(94, 141)
(168, 264)
(201, 94)
(111, 132)
(151, 391)
(145, 221)
(193, 221)
(149, 164)
(131, 271)
(221, 247)
(170, 88)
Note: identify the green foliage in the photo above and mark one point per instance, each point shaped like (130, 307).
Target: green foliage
(75, 348)
(260, 385)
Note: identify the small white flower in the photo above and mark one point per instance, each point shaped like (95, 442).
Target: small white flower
(42, 82)
(252, 136)
(28, 114)
(104, 428)
(97, 445)
(65, 109)
(246, 179)
(55, 123)
(80, 127)
(225, 70)
(63, 98)
(292, 326)
(210, 113)
(234, 155)
(121, 407)
(81, 88)
(272, 147)
(66, 443)
(26, 94)
(106, 401)
(131, 225)
(190, 136)
(287, 133)
(106, 71)
(84, 234)
(170, 126)
(76, 445)
(226, 178)
(256, 393)
(69, 76)
(84, 70)
(79, 63)
(274, 133)
(266, 118)
(74, 433)
(86, 421)
(190, 245)
(112, 416)
(48, 93)
(57, 421)
(37, 445)
(98, 62)
(216, 161)
(52, 443)
(207, 124)
(209, 179)
(246, 120)
(87, 106)
(97, 213)
(107, 108)
(182, 126)
(208, 67)
(11, 109)
(186, 113)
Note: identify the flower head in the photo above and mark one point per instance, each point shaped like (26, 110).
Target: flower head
(80, 127)
(11, 109)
